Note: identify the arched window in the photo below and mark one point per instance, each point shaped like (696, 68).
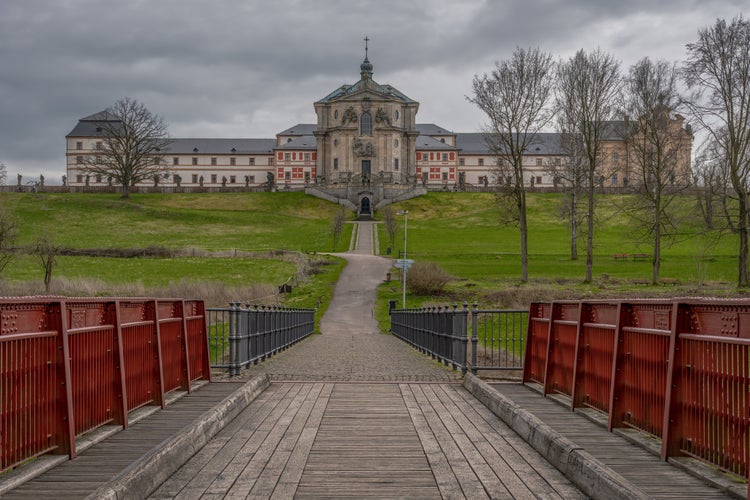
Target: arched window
(365, 124)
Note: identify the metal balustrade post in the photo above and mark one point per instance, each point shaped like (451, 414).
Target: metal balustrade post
(461, 322)
(233, 306)
(474, 336)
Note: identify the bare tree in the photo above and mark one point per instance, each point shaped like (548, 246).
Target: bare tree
(132, 141)
(713, 188)
(337, 225)
(391, 224)
(588, 87)
(47, 252)
(718, 71)
(514, 97)
(658, 148)
(569, 175)
(8, 233)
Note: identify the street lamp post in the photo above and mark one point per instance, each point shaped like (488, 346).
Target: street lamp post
(405, 213)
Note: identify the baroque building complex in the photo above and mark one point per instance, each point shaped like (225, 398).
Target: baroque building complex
(366, 147)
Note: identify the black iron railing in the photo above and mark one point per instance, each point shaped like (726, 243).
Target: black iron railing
(241, 335)
(498, 336)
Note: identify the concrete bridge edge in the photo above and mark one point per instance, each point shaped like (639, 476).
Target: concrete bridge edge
(143, 477)
(588, 474)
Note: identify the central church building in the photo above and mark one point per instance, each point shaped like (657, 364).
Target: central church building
(366, 134)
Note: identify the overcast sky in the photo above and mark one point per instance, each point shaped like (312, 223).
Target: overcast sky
(246, 68)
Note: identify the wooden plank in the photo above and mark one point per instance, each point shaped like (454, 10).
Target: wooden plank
(198, 473)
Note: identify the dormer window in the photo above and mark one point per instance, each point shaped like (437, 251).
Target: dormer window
(195, 150)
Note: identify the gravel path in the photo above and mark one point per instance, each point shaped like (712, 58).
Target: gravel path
(350, 346)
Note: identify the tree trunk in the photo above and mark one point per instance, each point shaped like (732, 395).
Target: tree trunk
(742, 228)
(524, 233)
(574, 226)
(125, 191)
(590, 237)
(656, 262)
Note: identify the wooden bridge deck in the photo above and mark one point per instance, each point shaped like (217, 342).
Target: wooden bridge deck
(656, 478)
(103, 461)
(315, 440)
(348, 439)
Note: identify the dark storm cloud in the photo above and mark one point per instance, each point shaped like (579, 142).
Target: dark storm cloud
(251, 68)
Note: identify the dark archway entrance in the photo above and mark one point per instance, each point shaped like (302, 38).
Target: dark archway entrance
(364, 206)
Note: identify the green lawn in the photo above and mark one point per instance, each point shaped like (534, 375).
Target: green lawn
(459, 231)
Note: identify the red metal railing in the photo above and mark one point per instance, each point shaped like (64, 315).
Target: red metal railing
(70, 366)
(679, 370)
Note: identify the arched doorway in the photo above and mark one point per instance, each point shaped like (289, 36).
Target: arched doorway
(364, 206)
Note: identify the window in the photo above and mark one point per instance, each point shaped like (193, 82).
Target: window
(175, 161)
(395, 143)
(195, 160)
(213, 178)
(445, 176)
(307, 156)
(289, 140)
(195, 178)
(538, 179)
(365, 124)
(424, 156)
(270, 160)
(481, 162)
(614, 179)
(395, 115)
(288, 156)
(445, 156)
(538, 162)
(558, 161)
(79, 145)
(232, 179)
(99, 145)
(213, 160)
(287, 175)
(79, 160)
(442, 139)
(336, 114)
(79, 178)
(614, 157)
(395, 164)
(98, 177)
(335, 163)
(252, 161)
(335, 142)
(461, 161)
(233, 161)
(251, 179)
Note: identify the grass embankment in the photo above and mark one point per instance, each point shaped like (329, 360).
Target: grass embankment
(461, 232)
(214, 246)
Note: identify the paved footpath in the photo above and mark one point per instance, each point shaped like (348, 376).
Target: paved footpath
(355, 413)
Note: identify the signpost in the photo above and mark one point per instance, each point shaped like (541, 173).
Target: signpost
(404, 264)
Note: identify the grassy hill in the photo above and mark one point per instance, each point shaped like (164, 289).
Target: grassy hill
(461, 232)
(240, 240)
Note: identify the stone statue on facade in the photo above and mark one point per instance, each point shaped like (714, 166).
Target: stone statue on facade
(382, 116)
(363, 149)
(200, 181)
(348, 116)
